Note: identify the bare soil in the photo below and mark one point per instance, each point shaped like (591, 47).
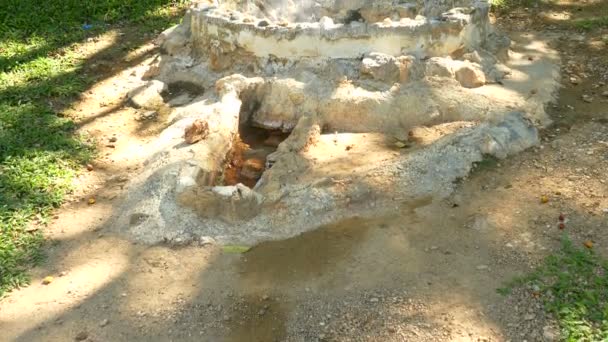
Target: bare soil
(428, 272)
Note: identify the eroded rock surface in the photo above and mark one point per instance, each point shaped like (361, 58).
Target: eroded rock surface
(384, 103)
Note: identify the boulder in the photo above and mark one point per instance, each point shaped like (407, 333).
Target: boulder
(470, 75)
(148, 96)
(442, 67)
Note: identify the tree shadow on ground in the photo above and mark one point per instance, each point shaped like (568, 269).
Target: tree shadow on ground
(43, 73)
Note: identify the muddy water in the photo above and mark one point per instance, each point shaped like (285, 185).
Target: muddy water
(315, 259)
(249, 154)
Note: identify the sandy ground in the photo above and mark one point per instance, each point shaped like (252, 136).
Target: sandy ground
(429, 272)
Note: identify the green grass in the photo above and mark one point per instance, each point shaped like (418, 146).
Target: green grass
(39, 72)
(592, 23)
(574, 287)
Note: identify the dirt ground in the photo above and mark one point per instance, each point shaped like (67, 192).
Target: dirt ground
(426, 273)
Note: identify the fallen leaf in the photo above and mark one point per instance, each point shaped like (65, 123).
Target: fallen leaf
(92, 201)
(544, 199)
(588, 244)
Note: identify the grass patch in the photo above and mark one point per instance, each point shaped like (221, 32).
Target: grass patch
(592, 23)
(39, 66)
(573, 284)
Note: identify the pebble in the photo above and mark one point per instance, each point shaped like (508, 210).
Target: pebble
(587, 98)
(104, 323)
(113, 139)
(482, 267)
(529, 317)
(81, 336)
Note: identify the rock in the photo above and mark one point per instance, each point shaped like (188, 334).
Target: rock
(113, 139)
(206, 240)
(482, 267)
(90, 167)
(148, 115)
(605, 93)
(81, 336)
(381, 67)
(326, 23)
(47, 280)
(263, 23)
(180, 100)
(253, 168)
(442, 67)
(575, 80)
(148, 96)
(470, 75)
(550, 334)
(104, 323)
(587, 98)
(174, 40)
(529, 317)
(196, 132)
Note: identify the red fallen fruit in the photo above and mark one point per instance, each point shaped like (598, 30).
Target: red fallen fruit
(561, 226)
(561, 217)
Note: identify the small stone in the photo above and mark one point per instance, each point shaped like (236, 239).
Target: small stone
(261, 312)
(482, 267)
(374, 300)
(104, 323)
(529, 317)
(587, 98)
(265, 297)
(47, 280)
(575, 80)
(263, 23)
(148, 115)
(81, 336)
(113, 139)
(605, 93)
(206, 240)
(196, 132)
(90, 167)
(549, 334)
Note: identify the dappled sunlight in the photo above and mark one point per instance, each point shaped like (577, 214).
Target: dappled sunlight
(160, 274)
(78, 275)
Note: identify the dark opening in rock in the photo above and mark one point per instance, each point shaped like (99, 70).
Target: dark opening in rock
(353, 15)
(180, 93)
(247, 160)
